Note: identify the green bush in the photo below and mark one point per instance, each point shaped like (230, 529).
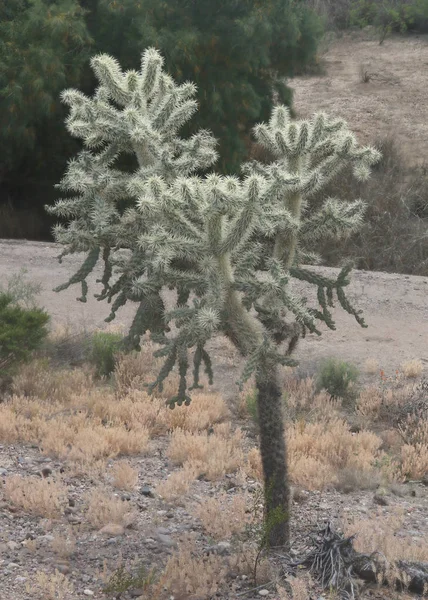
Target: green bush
(337, 377)
(103, 349)
(22, 330)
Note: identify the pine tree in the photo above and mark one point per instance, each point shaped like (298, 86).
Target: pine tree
(229, 245)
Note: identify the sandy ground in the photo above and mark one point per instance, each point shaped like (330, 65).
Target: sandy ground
(395, 309)
(392, 103)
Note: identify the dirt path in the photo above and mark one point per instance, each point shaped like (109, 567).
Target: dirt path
(392, 103)
(395, 308)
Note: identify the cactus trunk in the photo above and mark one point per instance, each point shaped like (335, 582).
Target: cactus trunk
(274, 459)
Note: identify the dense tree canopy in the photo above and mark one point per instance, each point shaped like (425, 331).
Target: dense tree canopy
(236, 51)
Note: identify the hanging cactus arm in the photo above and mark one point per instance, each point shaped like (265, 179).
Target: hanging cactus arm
(81, 275)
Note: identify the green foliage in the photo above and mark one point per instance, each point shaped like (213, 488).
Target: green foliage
(235, 52)
(22, 330)
(44, 46)
(103, 348)
(251, 404)
(386, 15)
(337, 378)
(390, 15)
(123, 580)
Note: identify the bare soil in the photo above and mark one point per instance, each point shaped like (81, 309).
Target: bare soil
(395, 308)
(393, 102)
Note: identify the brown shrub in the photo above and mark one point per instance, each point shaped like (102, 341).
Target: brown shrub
(38, 497)
(223, 516)
(190, 576)
(104, 509)
(125, 477)
(216, 454)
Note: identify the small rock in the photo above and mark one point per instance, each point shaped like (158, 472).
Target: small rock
(166, 540)
(163, 531)
(20, 579)
(13, 545)
(263, 592)
(112, 530)
(147, 491)
(136, 593)
(88, 592)
(63, 568)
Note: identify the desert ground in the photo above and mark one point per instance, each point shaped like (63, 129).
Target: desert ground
(95, 476)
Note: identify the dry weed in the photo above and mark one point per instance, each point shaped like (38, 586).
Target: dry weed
(317, 451)
(386, 534)
(64, 546)
(104, 509)
(204, 411)
(50, 587)
(412, 368)
(38, 497)
(190, 576)
(37, 380)
(125, 477)
(217, 454)
(178, 483)
(301, 400)
(136, 369)
(371, 366)
(369, 403)
(254, 467)
(223, 516)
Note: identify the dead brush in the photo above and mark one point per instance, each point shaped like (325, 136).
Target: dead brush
(175, 488)
(412, 368)
(224, 516)
(124, 476)
(217, 453)
(104, 509)
(135, 370)
(35, 496)
(54, 586)
(188, 574)
(64, 545)
(37, 380)
(386, 534)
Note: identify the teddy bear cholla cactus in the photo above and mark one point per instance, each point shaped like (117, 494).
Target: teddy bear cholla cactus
(229, 246)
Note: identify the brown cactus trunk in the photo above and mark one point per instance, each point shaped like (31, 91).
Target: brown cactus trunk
(274, 459)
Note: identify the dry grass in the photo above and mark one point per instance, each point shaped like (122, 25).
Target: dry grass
(386, 534)
(64, 546)
(189, 576)
(178, 483)
(412, 368)
(224, 515)
(215, 454)
(104, 509)
(124, 476)
(35, 496)
(371, 366)
(53, 586)
(37, 380)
